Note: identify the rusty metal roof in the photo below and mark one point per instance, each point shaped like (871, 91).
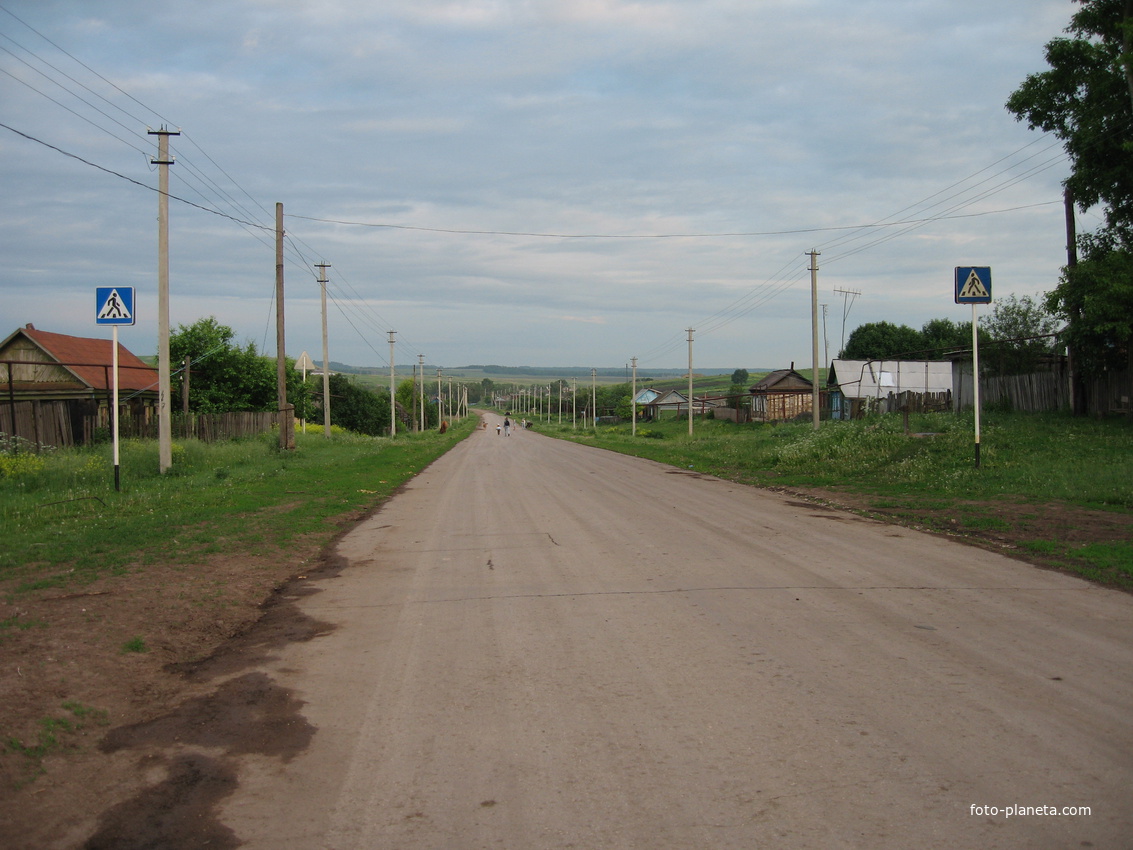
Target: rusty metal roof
(88, 360)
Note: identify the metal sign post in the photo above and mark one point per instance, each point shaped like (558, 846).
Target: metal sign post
(973, 286)
(114, 306)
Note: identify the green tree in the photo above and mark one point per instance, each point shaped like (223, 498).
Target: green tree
(408, 395)
(740, 376)
(939, 336)
(228, 377)
(1096, 298)
(738, 394)
(877, 340)
(1086, 100)
(358, 409)
(1021, 333)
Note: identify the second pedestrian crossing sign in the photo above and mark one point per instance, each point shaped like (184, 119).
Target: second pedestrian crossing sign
(973, 285)
(114, 305)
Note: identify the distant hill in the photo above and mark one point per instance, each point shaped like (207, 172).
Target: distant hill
(494, 372)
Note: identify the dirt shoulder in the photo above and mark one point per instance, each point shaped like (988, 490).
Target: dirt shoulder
(160, 650)
(80, 662)
(1046, 535)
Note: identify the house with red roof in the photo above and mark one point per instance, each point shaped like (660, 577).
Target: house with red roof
(56, 389)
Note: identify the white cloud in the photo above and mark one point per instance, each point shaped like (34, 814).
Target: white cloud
(599, 117)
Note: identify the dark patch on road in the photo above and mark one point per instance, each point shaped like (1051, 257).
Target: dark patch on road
(176, 814)
(249, 714)
(245, 715)
(280, 624)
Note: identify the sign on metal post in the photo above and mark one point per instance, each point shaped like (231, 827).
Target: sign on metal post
(114, 305)
(973, 286)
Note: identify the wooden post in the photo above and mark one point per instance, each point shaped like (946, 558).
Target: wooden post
(185, 386)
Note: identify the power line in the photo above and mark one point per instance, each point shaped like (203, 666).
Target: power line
(541, 235)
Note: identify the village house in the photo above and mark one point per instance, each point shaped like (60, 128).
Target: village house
(674, 402)
(859, 386)
(56, 389)
(781, 395)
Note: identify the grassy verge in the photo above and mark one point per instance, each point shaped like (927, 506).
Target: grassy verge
(1029, 465)
(64, 523)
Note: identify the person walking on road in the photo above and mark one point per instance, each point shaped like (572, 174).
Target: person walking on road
(507, 427)
(497, 429)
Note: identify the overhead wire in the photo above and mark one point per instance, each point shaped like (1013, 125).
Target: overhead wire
(196, 179)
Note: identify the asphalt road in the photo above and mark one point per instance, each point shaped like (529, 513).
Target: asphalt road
(542, 645)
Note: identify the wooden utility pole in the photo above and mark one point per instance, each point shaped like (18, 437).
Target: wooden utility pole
(286, 419)
(1077, 385)
(185, 385)
(814, 336)
(322, 267)
(848, 296)
(164, 418)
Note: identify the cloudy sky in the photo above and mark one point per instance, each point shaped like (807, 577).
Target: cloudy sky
(526, 182)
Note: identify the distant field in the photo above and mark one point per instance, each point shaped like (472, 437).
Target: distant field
(663, 379)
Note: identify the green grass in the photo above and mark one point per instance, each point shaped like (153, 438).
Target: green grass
(65, 524)
(135, 644)
(1084, 462)
(1087, 463)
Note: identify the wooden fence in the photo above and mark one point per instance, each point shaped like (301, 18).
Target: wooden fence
(41, 423)
(61, 424)
(207, 427)
(1037, 393)
(1049, 391)
(1111, 393)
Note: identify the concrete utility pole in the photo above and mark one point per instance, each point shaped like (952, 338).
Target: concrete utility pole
(594, 397)
(690, 333)
(421, 361)
(440, 410)
(164, 419)
(633, 398)
(392, 390)
(322, 267)
(814, 336)
(286, 420)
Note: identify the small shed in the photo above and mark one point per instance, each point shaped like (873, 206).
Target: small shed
(781, 395)
(858, 385)
(55, 386)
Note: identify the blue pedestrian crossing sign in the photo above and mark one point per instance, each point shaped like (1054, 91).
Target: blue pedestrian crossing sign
(114, 305)
(973, 285)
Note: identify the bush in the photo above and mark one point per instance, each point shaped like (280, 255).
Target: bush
(20, 466)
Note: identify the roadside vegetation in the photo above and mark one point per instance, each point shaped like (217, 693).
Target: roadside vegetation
(64, 523)
(1032, 467)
